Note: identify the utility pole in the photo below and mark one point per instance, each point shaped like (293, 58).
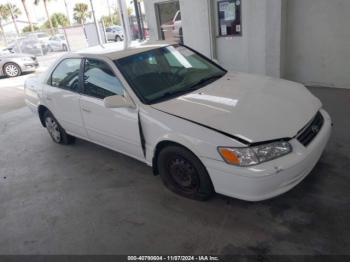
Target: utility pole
(137, 14)
(123, 12)
(96, 24)
(67, 12)
(13, 18)
(110, 12)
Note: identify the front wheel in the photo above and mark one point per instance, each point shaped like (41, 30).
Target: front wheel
(12, 70)
(57, 133)
(184, 174)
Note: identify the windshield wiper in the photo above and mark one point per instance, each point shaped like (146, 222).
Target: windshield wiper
(194, 87)
(203, 81)
(169, 95)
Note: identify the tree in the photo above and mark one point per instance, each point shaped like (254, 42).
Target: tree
(81, 13)
(114, 19)
(36, 2)
(4, 16)
(14, 13)
(24, 3)
(29, 28)
(57, 20)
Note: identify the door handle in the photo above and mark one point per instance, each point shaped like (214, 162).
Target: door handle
(86, 110)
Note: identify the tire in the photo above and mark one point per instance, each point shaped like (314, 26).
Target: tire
(57, 133)
(184, 174)
(12, 70)
(118, 38)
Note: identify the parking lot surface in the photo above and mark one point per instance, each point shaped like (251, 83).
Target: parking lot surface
(84, 199)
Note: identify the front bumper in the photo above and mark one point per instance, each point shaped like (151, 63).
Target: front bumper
(272, 178)
(29, 66)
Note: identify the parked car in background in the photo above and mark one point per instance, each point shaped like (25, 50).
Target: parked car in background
(177, 27)
(57, 43)
(12, 65)
(202, 129)
(115, 33)
(29, 46)
(41, 36)
(172, 30)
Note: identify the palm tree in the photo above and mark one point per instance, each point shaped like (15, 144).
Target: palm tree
(81, 13)
(24, 3)
(36, 2)
(4, 16)
(14, 12)
(67, 12)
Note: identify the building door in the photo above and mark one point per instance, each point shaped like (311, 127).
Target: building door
(169, 21)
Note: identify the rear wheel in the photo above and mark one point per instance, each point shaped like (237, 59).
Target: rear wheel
(12, 70)
(118, 38)
(57, 133)
(184, 174)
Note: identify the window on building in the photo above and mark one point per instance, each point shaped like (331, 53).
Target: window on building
(229, 17)
(169, 21)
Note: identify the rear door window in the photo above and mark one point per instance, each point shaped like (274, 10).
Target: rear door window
(66, 75)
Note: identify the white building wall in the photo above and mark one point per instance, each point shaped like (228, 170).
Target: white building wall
(152, 18)
(196, 24)
(247, 52)
(259, 48)
(318, 42)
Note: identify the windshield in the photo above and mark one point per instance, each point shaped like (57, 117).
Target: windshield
(167, 72)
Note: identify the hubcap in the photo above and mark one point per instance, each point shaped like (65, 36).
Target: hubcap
(183, 174)
(11, 70)
(53, 129)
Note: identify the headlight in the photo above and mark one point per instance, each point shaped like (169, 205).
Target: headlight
(250, 156)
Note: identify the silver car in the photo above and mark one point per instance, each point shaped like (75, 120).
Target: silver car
(12, 64)
(57, 43)
(115, 33)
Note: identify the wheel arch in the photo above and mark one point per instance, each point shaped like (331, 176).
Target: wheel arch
(163, 144)
(41, 111)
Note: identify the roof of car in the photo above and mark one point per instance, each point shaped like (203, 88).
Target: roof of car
(116, 51)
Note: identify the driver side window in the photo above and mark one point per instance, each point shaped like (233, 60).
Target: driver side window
(100, 81)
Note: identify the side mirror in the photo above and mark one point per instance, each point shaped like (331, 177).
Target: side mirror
(118, 102)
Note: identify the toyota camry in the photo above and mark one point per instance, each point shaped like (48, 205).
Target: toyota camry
(200, 127)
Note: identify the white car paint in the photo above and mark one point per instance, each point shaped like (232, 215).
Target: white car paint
(255, 108)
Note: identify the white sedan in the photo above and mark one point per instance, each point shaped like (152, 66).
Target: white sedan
(202, 129)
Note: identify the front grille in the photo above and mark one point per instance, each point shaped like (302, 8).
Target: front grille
(308, 134)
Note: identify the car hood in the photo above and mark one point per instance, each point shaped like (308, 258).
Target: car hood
(253, 108)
